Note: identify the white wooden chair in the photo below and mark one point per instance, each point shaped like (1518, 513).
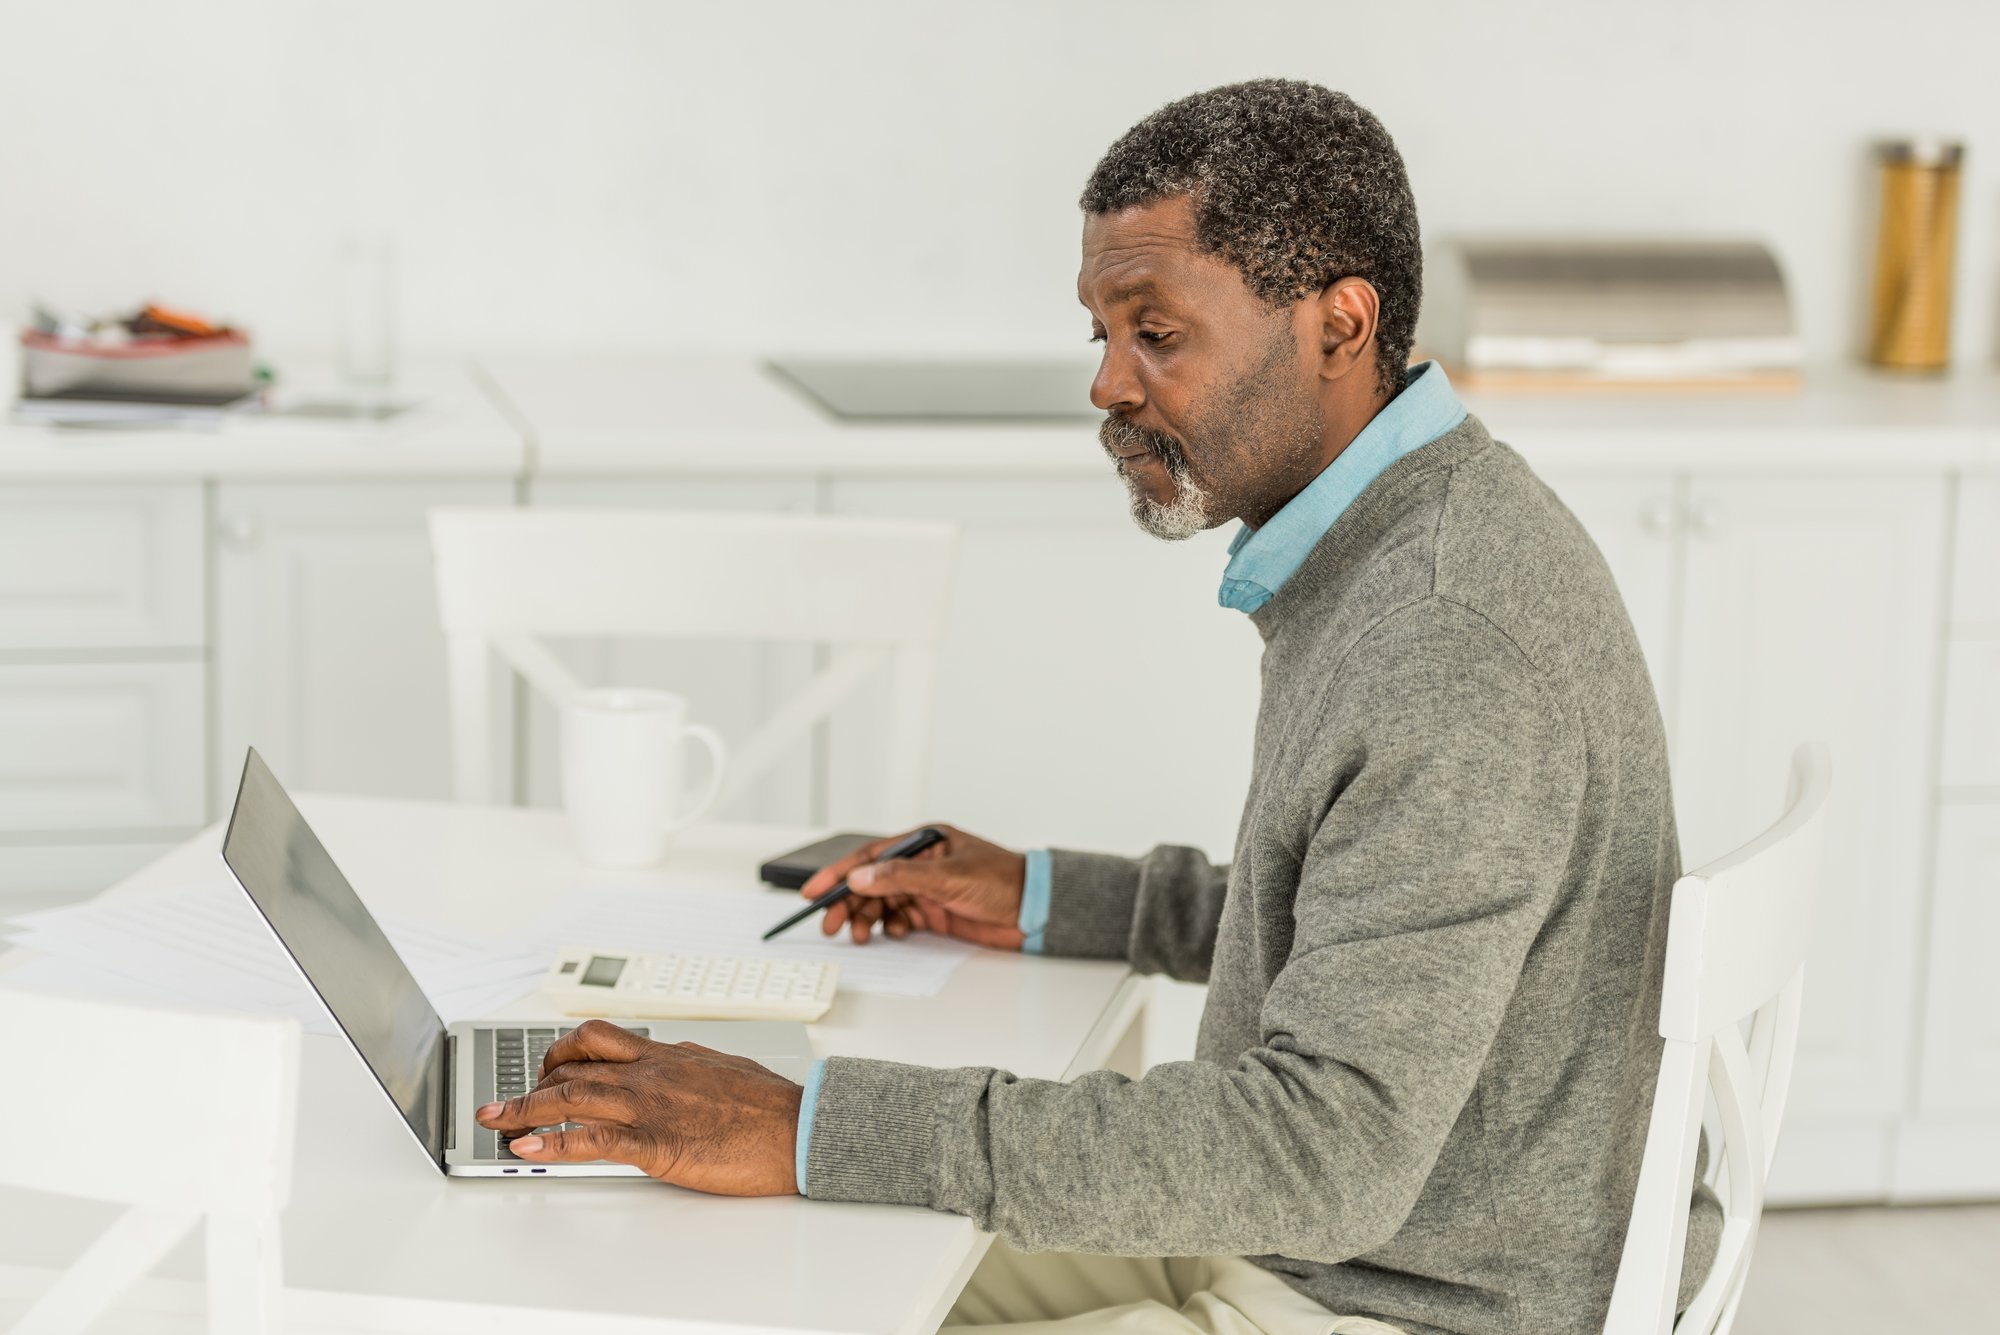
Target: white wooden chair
(1736, 949)
(876, 591)
(224, 1157)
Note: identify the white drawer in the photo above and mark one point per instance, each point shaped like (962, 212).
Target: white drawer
(1975, 576)
(1971, 714)
(90, 566)
(107, 746)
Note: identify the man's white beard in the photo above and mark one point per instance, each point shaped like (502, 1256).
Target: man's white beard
(1176, 520)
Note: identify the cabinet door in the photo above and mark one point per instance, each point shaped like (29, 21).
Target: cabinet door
(101, 566)
(328, 655)
(1090, 691)
(1637, 524)
(100, 747)
(732, 687)
(1812, 612)
(1961, 1057)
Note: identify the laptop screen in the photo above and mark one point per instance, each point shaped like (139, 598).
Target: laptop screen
(276, 858)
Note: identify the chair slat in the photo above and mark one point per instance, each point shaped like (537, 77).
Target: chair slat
(1736, 944)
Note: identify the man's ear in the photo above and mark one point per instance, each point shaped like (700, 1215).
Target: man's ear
(1346, 312)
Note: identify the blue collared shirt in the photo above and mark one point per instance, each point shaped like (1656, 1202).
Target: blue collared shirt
(1260, 562)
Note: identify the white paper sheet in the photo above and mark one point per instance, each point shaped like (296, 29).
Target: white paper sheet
(725, 922)
(205, 945)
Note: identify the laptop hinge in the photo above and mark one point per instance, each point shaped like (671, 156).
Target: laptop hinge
(450, 1099)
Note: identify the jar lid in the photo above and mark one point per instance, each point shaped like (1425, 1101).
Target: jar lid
(1926, 151)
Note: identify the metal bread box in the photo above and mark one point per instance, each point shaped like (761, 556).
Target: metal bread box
(1556, 315)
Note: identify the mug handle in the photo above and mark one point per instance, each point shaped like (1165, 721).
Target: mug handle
(718, 755)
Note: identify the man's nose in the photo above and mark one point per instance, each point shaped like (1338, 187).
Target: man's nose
(1116, 385)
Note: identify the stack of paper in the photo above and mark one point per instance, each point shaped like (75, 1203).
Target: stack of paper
(205, 945)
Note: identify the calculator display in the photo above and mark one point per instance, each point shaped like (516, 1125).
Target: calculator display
(603, 971)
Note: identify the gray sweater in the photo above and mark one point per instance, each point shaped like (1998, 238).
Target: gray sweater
(1431, 1038)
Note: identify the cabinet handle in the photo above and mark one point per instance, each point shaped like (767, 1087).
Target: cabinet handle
(1705, 519)
(1658, 518)
(240, 532)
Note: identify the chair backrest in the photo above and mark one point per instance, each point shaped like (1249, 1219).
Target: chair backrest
(875, 590)
(226, 1156)
(1736, 948)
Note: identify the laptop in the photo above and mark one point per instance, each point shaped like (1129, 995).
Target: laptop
(434, 1075)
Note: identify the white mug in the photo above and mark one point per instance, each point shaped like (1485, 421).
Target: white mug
(621, 772)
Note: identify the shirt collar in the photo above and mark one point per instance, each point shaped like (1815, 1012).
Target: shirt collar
(1261, 560)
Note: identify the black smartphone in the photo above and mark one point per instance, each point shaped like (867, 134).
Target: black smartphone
(789, 871)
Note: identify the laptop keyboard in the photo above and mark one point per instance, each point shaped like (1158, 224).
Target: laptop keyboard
(517, 1068)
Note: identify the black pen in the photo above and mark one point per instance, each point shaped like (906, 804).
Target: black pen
(907, 847)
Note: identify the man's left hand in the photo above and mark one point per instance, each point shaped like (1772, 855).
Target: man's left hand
(684, 1113)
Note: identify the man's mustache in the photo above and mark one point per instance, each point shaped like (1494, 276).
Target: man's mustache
(1122, 436)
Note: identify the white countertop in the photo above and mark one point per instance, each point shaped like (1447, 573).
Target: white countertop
(659, 416)
(664, 416)
(456, 430)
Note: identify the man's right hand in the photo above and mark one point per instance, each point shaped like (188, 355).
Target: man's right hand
(963, 887)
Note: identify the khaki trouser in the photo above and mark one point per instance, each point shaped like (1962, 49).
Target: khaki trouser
(1024, 1293)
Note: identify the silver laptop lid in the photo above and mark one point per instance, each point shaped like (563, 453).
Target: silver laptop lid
(287, 873)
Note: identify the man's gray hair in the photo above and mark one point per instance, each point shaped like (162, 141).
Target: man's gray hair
(1295, 185)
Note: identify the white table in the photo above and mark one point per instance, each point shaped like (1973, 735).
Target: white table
(375, 1238)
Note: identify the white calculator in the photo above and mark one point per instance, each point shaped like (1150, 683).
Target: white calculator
(669, 986)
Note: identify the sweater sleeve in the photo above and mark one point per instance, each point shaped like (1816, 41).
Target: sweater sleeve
(1158, 912)
(1451, 804)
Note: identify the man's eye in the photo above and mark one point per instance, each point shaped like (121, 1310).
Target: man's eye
(1097, 338)
(1154, 335)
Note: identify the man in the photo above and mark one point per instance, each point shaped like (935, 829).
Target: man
(1434, 966)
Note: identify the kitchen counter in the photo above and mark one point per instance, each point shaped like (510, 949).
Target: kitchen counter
(552, 416)
(655, 416)
(457, 430)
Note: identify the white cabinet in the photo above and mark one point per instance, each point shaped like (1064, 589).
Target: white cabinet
(100, 746)
(1090, 691)
(103, 693)
(1950, 1149)
(1961, 1051)
(328, 655)
(732, 687)
(86, 566)
(1975, 584)
(1812, 610)
(1971, 756)
(1639, 525)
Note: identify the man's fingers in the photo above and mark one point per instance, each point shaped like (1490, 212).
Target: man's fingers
(569, 1101)
(916, 878)
(830, 875)
(831, 920)
(862, 919)
(595, 1041)
(833, 873)
(584, 1144)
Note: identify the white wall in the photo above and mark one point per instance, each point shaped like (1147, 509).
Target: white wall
(903, 176)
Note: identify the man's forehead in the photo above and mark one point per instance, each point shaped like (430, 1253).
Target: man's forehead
(1138, 251)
